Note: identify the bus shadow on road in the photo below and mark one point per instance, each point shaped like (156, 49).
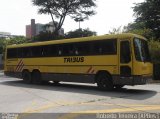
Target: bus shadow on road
(124, 93)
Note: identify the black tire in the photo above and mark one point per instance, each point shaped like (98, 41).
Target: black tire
(56, 82)
(26, 76)
(44, 82)
(119, 86)
(36, 77)
(104, 81)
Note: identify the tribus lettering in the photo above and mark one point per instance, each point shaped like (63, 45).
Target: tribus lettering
(73, 59)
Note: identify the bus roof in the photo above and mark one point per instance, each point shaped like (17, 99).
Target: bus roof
(82, 39)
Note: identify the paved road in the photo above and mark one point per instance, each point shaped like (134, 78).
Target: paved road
(17, 97)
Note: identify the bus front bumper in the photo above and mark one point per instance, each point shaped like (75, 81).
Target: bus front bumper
(133, 80)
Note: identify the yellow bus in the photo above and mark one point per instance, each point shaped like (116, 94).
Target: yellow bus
(111, 61)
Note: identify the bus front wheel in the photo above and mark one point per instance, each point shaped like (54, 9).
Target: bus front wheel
(26, 76)
(36, 77)
(104, 82)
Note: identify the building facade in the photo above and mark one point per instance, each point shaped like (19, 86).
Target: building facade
(34, 29)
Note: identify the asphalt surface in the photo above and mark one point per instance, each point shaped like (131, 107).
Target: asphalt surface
(72, 100)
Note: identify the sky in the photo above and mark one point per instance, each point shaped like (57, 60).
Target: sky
(16, 14)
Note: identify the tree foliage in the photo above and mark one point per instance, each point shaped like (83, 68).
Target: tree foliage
(59, 9)
(2, 44)
(140, 29)
(46, 36)
(16, 40)
(11, 41)
(155, 51)
(148, 12)
(80, 33)
(116, 30)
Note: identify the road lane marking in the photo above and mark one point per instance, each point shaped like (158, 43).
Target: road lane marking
(125, 108)
(66, 103)
(131, 108)
(54, 105)
(29, 111)
(42, 108)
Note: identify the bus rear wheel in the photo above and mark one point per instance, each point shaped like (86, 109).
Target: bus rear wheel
(36, 77)
(104, 82)
(56, 82)
(119, 86)
(26, 76)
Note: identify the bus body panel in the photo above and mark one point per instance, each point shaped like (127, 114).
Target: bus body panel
(53, 67)
(142, 68)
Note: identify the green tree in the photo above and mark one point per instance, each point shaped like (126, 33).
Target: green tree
(148, 12)
(155, 51)
(16, 40)
(11, 41)
(116, 30)
(80, 33)
(140, 29)
(59, 9)
(46, 36)
(2, 45)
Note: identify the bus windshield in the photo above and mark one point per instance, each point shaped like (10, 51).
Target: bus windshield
(141, 50)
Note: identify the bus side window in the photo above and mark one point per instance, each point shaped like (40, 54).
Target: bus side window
(59, 49)
(125, 52)
(71, 50)
(37, 51)
(83, 48)
(75, 49)
(49, 50)
(97, 48)
(12, 53)
(60, 52)
(68, 49)
(46, 51)
(110, 47)
(26, 52)
(76, 52)
(105, 47)
(53, 50)
(19, 53)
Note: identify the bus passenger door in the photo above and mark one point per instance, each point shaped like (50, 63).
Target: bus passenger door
(125, 63)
